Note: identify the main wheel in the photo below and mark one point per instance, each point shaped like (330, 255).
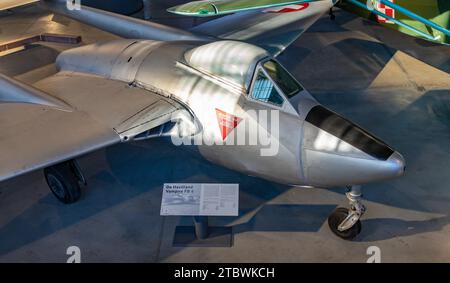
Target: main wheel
(63, 182)
(336, 218)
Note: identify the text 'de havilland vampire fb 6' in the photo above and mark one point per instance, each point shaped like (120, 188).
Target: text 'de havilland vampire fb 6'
(215, 83)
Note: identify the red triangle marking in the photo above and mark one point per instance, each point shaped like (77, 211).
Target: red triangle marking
(227, 122)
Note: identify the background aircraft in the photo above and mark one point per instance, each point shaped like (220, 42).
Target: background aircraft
(427, 19)
(206, 82)
(222, 7)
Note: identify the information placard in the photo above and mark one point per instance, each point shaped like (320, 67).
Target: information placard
(200, 199)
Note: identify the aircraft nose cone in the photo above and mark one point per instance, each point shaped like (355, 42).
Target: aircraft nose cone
(338, 152)
(397, 163)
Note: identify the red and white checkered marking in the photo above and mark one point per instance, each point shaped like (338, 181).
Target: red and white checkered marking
(287, 9)
(385, 10)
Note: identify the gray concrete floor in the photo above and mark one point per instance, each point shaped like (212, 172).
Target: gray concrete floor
(395, 86)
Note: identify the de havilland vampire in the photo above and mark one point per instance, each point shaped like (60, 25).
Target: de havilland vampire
(208, 81)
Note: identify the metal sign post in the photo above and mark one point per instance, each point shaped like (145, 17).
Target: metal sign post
(201, 227)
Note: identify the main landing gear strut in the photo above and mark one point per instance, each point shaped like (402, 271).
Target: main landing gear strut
(331, 14)
(345, 222)
(65, 181)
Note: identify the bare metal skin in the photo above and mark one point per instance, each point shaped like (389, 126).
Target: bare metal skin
(183, 85)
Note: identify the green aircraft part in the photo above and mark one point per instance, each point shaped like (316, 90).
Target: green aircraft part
(437, 11)
(220, 7)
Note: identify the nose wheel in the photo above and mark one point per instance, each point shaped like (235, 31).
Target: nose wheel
(344, 222)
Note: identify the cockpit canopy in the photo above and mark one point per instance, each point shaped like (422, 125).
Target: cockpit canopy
(247, 67)
(232, 61)
(271, 81)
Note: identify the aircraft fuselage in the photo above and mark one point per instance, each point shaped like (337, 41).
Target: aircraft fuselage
(289, 139)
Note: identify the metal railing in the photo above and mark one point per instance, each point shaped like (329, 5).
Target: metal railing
(407, 13)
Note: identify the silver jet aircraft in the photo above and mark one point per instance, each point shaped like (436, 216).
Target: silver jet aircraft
(209, 86)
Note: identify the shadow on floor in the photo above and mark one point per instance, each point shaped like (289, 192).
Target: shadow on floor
(378, 229)
(131, 170)
(287, 218)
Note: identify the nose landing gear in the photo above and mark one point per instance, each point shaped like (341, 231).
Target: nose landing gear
(345, 222)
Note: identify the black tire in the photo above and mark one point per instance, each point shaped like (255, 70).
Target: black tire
(63, 182)
(336, 218)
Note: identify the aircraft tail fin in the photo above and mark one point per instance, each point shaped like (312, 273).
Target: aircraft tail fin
(13, 91)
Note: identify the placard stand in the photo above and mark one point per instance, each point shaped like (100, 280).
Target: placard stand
(201, 200)
(202, 235)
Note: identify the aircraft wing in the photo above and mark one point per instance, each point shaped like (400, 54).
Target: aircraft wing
(67, 115)
(206, 8)
(10, 4)
(273, 28)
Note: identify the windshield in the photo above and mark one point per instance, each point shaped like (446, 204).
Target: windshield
(265, 91)
(282, 78)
